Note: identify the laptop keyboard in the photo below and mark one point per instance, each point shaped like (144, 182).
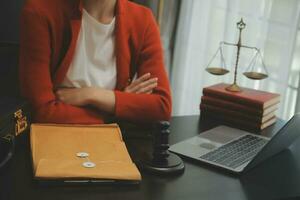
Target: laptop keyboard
(237, 152)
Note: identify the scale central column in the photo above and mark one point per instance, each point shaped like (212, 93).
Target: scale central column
(234, 87)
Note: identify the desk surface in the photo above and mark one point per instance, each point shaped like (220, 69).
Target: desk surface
(276, 178)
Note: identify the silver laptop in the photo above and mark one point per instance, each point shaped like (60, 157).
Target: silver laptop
(236, 150)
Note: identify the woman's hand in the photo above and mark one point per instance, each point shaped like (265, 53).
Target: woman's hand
(142, 85)
(75, 96)
(103, 99)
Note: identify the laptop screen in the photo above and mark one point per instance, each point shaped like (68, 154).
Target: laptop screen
(282, 140)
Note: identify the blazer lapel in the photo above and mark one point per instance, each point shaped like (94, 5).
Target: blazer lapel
(121, 46)
(75, 28)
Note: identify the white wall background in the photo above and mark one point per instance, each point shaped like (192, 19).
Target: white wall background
(272, 26)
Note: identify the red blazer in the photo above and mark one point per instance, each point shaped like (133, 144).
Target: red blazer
(49, 31)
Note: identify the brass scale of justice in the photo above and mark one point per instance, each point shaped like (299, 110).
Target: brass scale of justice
(251, 74)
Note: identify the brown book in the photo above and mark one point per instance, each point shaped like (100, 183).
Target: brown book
(256, 98)
(214, 101)
(237, 122)
(238, 114)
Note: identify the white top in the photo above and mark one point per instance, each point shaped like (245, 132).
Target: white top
(94, 61)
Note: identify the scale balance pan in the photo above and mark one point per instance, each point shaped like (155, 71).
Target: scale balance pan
(217, 71)
(255, 75)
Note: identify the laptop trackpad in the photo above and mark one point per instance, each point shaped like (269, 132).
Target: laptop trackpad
(208, 145)
(206, 141)
(222, 134)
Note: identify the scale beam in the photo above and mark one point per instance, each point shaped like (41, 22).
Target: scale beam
(242, 46)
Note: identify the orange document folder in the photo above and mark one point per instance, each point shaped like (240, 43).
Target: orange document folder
(57, 153)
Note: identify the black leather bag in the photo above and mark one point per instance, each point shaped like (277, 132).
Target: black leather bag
(14, 112)
(14, 120)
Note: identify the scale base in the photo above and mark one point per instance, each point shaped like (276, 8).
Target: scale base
(234, 88)
(171, 165)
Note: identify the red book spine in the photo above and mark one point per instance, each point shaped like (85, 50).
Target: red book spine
(255, 98)
(226, 113)
(237, 107)
(238, 123)
(232, 98)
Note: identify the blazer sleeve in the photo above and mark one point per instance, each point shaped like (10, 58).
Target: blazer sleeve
(148, 107)
(35, 79)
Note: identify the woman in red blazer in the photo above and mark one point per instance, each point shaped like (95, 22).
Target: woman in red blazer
(49, 33)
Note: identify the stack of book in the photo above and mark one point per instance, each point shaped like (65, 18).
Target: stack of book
(249, 109)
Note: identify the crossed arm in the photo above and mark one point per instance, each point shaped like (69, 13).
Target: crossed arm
(104, 99)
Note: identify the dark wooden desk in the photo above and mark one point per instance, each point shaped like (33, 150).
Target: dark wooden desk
(276, 178)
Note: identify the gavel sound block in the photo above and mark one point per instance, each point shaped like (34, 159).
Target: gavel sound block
(162, 161)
